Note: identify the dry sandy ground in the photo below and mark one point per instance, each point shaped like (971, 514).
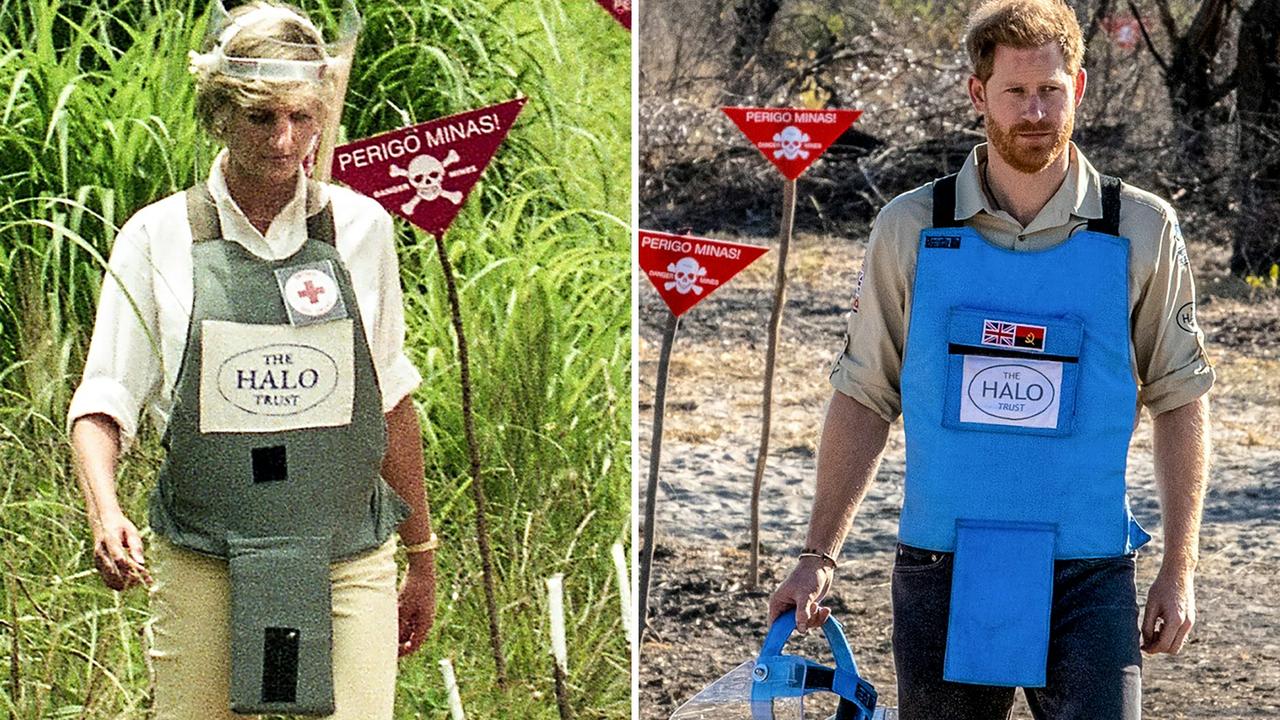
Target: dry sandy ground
(703, 619)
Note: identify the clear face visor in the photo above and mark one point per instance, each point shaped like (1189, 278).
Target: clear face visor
(333, 68)
(730, 698)
(344, 26)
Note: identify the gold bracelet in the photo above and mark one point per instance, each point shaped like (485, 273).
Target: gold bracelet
(814, 552)
(431, 544)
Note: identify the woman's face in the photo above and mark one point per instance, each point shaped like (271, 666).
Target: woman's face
(267, 144)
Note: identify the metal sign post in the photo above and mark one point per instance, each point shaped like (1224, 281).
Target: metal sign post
(792, 139)
(655, 459)
(770, 359)
(423, 173)
(684, 270)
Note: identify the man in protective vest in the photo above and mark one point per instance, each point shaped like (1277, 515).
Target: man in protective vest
(1017, 314)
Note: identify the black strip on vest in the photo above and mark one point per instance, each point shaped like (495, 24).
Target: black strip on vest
(270, 464)
(958, 349)
(944, 202)
(1109, 223)
(280, 664)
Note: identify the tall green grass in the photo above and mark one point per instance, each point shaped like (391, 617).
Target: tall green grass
(96, 121)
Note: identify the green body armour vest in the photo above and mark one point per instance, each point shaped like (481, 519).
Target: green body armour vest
(274, 450)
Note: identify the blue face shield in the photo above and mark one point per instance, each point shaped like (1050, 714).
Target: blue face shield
(774, 685)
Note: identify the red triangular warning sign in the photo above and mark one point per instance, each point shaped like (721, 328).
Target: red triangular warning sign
(685, 270)
(423, 173)
(792, 138)
(619, 9)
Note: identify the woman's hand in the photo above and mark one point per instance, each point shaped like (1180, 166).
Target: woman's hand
(417, 603)
(117, 546)
(117, 551)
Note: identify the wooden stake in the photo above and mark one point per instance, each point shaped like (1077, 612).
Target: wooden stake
(775, 331)
(477, 487)
(15, 645)
(655, 455)
(451, 687)
(624, 593)
(559, 652)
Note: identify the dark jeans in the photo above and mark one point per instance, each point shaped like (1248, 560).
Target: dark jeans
(1095, 667)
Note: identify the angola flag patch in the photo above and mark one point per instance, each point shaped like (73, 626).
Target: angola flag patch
(998, 333)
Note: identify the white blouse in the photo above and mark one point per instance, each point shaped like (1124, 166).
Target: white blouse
(147, 293)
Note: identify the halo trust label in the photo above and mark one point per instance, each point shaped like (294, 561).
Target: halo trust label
(1004, 391)
(280, 379)
(268, 378)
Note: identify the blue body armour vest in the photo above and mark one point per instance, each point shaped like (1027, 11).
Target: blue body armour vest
(1019, 400)
(1018, 391)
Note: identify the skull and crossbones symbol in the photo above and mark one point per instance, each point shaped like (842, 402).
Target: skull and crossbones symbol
(791, 139)
(687, 272)
(426, 176)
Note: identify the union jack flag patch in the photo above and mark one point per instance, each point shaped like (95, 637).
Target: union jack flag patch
(1005, 334)
(999, 334)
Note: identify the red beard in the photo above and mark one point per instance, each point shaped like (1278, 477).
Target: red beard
(1024, 158)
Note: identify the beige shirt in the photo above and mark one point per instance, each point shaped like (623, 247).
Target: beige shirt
(1170, 364)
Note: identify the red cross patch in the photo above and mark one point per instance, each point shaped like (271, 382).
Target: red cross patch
(311, 292)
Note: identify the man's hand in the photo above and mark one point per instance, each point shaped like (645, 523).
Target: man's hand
(1170, 613)
(117, 552)
(417, 603)
(806, 587)
(1181, 441)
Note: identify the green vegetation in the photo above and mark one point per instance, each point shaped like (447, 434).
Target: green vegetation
(96, 121)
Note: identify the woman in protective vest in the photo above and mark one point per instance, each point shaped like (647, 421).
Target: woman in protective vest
(258, 318)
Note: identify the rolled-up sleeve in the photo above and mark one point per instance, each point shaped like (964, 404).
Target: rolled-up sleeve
(1172, 365)
(122, 370)
(397, 375)
(869, 366)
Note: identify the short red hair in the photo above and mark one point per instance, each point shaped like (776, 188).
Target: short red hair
(1022, 24)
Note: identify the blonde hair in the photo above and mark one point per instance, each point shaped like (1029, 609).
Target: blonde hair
(270, 35)
(1022, 24)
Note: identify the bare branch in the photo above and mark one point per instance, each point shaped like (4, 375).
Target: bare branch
(1207, 26)
(1224, 88)
(1166, 19)
(1104, 8)
(1164, 66)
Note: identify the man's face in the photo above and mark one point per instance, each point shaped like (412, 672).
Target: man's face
(1029, 104)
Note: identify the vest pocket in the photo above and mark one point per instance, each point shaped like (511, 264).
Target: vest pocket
(281, 625)
(1011, 372)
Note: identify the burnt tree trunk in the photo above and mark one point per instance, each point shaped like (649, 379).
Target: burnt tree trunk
(755, 19)
(1256, 245)
(1189, 73)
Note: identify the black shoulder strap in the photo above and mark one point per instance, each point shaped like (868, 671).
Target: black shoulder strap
(202, 214)
(1109, 223)
(944, 202)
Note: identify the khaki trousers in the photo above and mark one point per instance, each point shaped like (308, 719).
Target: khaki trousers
(190, 635)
